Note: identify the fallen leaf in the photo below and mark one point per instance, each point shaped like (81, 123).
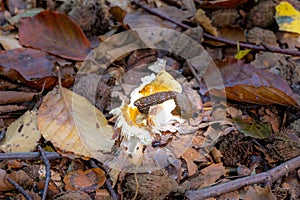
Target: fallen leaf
(151, 185)
(216, 4)
(33, 68)
(208, 176)
(255, 130)
(22, 135)
(87, 181)
(246, 83)
(259, 193)
(287, 17)
(292, 40)
(73, 124)
(242, 53)
(18, 176)
(190, 156)
(205, 22)
(57, 34)
(68, 195)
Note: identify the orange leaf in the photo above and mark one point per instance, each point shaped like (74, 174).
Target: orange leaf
(87, 181)
(54, 33)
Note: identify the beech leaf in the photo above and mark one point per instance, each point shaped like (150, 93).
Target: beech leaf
(22, 135)
(73, 124)
(55, 33)
(246, 83)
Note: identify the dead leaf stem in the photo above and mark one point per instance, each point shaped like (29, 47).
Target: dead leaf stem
(267, 177)
(223, 40)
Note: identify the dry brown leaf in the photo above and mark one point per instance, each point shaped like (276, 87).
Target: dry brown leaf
(208, 176)
(190, 156)
(87, 181)
(18, 176)
(79, 195)
(22, 135)
(205, 22)
(73, 124)
(259, 193)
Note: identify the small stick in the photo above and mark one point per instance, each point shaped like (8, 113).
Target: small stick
(20, 188)
(265, 177)
(112, 192)
(28, 156)
(223, 40)
(48, 173)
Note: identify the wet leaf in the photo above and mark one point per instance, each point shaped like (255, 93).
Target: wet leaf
(287, 17)
(33, 68)
(22, 135)
(73, 124)
(87, 181)
(255, 130)
(246, 83)
(57, 34)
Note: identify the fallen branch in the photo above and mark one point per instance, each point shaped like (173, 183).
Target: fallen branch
(266, 177)
(28, 156)
(19, 188)
(218, 39)
(48, 173)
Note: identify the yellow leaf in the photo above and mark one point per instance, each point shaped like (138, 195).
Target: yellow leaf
(205, 22)
(73, 124)
(22, 135)
(242, 53)
(287, 18)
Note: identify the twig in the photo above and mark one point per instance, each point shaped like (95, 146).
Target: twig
(265, 177)
(223, 40)
(48, 173)
(18, 187)
(136, 187)
(108, 185)
(28, 156)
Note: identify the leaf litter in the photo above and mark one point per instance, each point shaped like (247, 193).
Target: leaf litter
(236, 145)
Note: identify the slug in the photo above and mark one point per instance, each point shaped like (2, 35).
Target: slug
(182, 101)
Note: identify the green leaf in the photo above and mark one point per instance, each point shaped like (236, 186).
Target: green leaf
(255, 130)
